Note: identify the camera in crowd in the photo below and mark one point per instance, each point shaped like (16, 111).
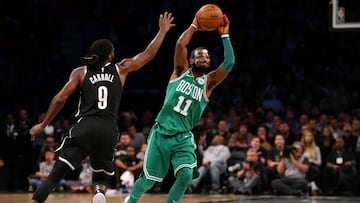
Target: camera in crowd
(288, 150)
(237, 166)
(251, 163)
(234, 167)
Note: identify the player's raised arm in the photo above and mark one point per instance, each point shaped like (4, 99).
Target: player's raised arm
(181, 63)
(218, 75)
(132, 64)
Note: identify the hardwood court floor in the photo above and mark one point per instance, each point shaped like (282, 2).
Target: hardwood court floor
(159, 198)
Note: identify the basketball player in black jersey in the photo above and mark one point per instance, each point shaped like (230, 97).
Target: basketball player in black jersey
(95, 133)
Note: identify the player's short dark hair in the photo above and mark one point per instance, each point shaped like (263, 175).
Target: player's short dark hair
(192, 54)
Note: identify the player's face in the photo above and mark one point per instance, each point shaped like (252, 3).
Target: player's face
(201, 60)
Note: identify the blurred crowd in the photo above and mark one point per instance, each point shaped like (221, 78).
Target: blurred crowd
(292, 75)
(261, 152)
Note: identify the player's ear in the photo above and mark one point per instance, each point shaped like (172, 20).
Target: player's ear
(192, 61)
(111, 55)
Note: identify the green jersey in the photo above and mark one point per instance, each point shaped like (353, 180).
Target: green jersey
(185, 101)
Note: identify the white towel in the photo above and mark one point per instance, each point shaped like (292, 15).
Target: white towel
(127, 179)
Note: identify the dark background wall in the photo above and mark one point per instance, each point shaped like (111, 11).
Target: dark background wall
(282, 48)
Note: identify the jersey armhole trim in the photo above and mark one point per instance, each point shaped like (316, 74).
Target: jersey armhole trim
(205, 90)
(117, 69)
(85, 70)
(181, 76)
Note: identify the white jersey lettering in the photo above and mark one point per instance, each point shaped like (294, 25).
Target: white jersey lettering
(190, 89)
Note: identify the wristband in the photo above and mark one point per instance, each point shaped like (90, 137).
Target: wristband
(194, 26)
(225, 35)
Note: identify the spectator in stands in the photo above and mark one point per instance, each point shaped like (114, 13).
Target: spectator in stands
(323, 122)
(45, 168)
(292, 168)
(269, 120)
(13, 143)
(263, 135)
(249, 179)
(240, 139)
(122, 144)
(312, 127)
(334, 127)
(292, 122)
(238, 145)
(274, 158)
(303, 120)
(203, 141)
(326, 145)
(129, 168)
(50, 143)
(120, 150)
(313, 154)
(260, 151)
(147, 120)
(340, 171)
(355, 125)
(137, 138)
(349, 139)
(211, 126)
(289, 136)
(214, 163)
(223, 130)
(25, 123)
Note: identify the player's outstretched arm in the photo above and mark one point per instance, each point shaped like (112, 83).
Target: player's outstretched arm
(218, 75)
(132, 64)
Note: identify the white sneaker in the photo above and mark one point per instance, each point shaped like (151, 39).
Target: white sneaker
(99, 198)
(126, 199)
(314, 186)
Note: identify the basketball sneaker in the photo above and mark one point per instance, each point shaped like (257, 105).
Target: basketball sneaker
(99, 197)
(126, 199)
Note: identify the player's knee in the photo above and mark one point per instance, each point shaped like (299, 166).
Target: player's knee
(146, 183)
(184, 175)
(59, 170)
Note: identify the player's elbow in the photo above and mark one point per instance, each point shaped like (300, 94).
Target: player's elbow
(180, 44)
(60, 99)
(232, 61)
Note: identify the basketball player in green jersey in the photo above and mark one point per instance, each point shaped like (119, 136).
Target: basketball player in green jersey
(170, 140)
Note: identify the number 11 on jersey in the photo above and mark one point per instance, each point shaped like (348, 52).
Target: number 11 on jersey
(183, 111)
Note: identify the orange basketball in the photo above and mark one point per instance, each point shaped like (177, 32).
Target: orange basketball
(209, 17)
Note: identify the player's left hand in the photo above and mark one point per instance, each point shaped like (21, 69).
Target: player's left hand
(224, 27)
(36, 130)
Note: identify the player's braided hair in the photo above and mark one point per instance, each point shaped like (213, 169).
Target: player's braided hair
(98, 52)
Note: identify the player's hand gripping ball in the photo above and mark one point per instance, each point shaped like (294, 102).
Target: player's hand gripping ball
(209, 17)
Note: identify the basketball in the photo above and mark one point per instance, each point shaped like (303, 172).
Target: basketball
(209, 17)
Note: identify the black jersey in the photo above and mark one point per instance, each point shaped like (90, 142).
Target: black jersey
(100, 93)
